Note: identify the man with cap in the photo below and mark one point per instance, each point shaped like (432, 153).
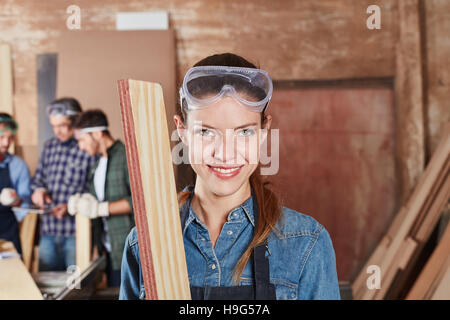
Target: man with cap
(14, 184)
(109, 199)
(62, 171)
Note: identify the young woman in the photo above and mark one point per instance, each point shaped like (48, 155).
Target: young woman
(240, 242)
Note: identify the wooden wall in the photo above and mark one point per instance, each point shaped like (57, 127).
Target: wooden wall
(291, 39)
(436, 51)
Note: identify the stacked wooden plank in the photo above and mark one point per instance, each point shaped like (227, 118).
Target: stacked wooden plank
(6, 82)
(433, 281)
(411, 227)
(152, 180)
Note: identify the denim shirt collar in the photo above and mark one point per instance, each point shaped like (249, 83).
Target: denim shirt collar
(243, 210)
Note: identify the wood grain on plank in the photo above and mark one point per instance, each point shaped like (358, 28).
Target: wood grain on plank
(442, 290)
(427, 207)
(153, 188)
(432, 218)
(16, 282)
(27, 235)
(83, 241)
(6, 83)
(430, 272)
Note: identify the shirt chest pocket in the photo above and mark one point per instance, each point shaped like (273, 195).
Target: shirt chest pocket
(286, 291)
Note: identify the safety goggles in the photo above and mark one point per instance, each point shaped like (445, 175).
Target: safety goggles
(59, 109)
(205, 85)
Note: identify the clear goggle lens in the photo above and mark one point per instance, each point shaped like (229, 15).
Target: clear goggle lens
(203, 86)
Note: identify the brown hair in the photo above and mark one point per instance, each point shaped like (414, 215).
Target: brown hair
(92, 118)
(269, 205)
(8, 121)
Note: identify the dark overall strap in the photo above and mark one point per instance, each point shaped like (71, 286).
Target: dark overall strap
(5, 182)
(263, 289)
(9, 228)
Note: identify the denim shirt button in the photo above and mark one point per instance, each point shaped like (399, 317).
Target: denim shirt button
(229, 232)
(213, 266)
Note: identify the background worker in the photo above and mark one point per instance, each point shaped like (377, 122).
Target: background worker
(14, 183)
(109, 197)
(62, 171)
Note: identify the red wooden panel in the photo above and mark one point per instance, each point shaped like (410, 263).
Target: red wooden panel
(337, 164)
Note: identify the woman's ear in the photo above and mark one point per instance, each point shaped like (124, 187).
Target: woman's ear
(180, 128)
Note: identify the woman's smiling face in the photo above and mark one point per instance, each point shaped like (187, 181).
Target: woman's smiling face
(224, 144)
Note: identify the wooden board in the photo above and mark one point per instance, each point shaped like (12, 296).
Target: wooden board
(433, 193)
(431, 219)
(27, 235)
(427, 220)
(6, 82)
(442, 291)
(399, 252)
(410, 130)
(435, 263)
(145, 54)
(16, 282)
(83, 241)
(161, 247)
(390, 265)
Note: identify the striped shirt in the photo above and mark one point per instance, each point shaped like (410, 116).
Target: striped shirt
(63, 171)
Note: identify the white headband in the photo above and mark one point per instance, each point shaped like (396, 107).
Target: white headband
(93, 129)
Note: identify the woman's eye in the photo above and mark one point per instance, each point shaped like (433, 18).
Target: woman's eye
(204, 132)
(247, 132)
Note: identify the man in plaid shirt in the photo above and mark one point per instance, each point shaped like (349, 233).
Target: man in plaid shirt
(108, 202)
(62, 171)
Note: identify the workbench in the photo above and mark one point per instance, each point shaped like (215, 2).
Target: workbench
(16, 283)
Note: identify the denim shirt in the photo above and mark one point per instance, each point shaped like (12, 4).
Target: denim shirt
(301, 256)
